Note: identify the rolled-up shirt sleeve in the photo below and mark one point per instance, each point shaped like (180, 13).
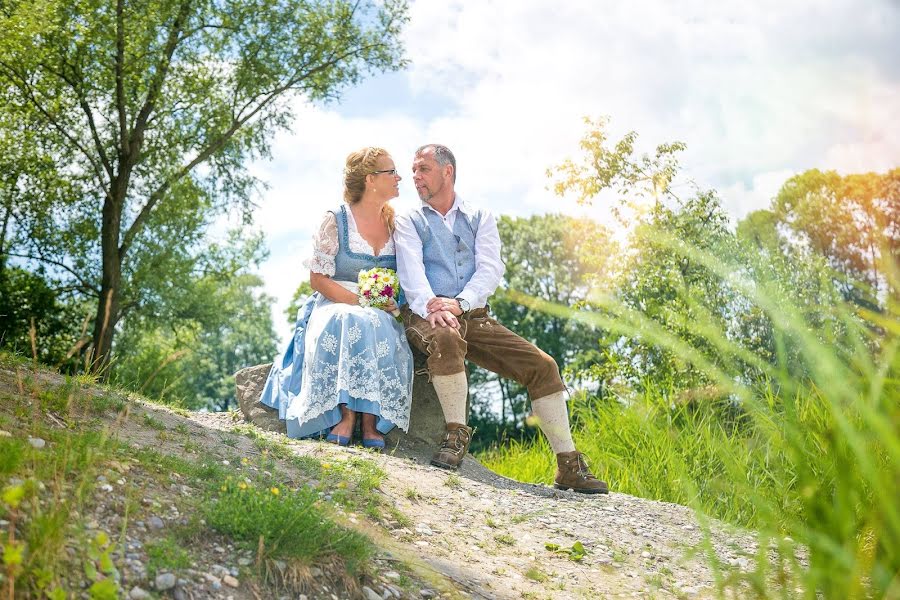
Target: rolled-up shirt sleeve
(489, 267)
(411, 266)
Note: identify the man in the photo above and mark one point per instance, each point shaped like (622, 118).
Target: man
(448, 260)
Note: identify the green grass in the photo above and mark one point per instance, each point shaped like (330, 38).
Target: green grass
(807, 456)
(283, 524)
(50, 491)
(167, 554)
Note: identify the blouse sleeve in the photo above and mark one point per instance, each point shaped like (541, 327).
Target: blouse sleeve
(325, 247)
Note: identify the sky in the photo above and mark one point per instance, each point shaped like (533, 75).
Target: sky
(758, 91)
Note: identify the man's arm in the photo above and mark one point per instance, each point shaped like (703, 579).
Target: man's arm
(411, 266)
(488, 266)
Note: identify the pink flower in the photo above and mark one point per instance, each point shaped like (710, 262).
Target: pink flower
(387, 291)
(367, 293)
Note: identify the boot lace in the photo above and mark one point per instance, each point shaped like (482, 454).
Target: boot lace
(581, 466)
(456, 441)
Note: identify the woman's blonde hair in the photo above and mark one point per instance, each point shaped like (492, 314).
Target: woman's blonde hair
(359, 164)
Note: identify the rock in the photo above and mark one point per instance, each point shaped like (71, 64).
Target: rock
(164, 581)
(37, 442)
(427, 593)
(137, 593)
(392, 575)
(5, 433)
(156, 523)
(231, 581)
(250, 383)
(369, 593)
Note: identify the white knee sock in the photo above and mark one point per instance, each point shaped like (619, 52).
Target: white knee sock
(451, 392)
(554, 420)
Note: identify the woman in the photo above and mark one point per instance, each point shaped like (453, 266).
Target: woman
(345, 359)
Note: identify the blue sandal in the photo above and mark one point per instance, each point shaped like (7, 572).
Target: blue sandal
(373, 443)
(340, 440)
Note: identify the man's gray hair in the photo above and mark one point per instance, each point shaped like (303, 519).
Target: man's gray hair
(442, 156)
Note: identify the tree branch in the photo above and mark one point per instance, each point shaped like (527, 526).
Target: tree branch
(24, 86)
(84, 284)
(159, 76)
(219, 143)
(120, 83)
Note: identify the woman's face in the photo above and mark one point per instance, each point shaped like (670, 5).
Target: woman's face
(385, 180)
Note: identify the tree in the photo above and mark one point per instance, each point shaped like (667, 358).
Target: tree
(548, 258)
(150, 110)
(850, 220)
(187, 351)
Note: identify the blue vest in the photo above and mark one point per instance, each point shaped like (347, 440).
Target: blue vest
(449, 257)
(347, 264)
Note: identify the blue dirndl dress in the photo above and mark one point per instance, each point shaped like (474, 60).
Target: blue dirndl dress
(343, 354)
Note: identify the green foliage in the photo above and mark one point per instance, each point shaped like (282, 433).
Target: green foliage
(576, 552)
(145, 116)
(186, 352)
(30, 297)
(851, 222)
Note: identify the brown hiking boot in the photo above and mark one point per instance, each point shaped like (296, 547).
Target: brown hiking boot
(572, 473)
(453, 447)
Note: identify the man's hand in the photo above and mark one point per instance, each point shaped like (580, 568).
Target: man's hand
(390, 307)
(450, 305)
(443, 318)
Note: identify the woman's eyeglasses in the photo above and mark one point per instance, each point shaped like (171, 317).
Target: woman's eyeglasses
(390, 171)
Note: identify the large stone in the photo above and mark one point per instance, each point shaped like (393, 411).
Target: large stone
(250, 383)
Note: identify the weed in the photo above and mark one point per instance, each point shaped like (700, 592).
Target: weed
(453, 481)
(412, 494)
(536, 574)
(505, 539)
(166, 554)
(153, 423)
(282, 524)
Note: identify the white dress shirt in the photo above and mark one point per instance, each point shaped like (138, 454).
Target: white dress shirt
(411, 266)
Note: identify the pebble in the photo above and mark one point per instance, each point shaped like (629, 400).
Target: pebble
(5, 433)
(427, 593)
(156, 523)
(137, 593)
(231, 581)
(369, 593)
(106, 487)
(37, 442)
(164, 581)
(392, 575)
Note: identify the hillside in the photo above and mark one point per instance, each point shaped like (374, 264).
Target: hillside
(141, 496)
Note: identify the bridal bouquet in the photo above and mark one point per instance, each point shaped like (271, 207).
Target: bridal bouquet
(377, 287)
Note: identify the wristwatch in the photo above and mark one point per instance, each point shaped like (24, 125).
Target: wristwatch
(463, 305)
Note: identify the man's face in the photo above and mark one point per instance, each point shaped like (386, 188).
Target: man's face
(428, 176)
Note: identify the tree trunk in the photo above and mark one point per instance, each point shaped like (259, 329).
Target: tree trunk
(110, 286)
(6, 217)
